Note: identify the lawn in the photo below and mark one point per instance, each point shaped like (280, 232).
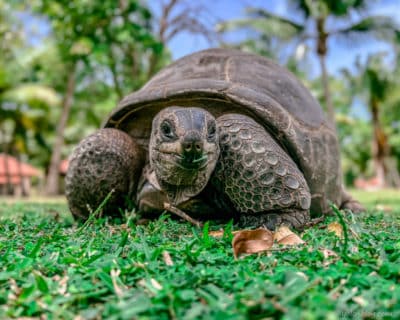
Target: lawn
(52, 268)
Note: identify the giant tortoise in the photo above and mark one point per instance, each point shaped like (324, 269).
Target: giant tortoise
(218, 134)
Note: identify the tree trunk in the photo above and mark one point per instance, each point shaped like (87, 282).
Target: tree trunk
(21, 176)
(52, 182)
(114, 72)
(164, 24)
(322, 50)
(380, 146)
(8, 188)
(327, 93)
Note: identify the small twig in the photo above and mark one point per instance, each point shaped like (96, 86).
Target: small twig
(314, 221)
(287, 248)
(183, 215)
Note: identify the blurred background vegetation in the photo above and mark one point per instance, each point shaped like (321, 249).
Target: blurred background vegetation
(65, 64)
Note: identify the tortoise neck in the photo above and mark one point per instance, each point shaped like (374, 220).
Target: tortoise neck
(180, 193)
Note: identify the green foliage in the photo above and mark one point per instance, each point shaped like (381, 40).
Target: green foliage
(113, 34)
(117, 45)
(50, 267)
(108, 43)
(373, 82)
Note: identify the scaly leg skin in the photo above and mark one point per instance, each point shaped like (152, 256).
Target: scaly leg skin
(107, 161)
(262, 182)
(349, 203)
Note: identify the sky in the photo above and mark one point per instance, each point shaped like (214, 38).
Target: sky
(340, 54)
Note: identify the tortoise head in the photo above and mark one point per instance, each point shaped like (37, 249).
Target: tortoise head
(184, 147)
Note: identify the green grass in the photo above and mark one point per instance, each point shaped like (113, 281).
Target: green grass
(51, 267)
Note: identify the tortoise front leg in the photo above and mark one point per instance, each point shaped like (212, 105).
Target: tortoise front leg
(107, 161)
(296, 218)
(262, 182)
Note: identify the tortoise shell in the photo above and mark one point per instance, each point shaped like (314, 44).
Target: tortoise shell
(230, 81)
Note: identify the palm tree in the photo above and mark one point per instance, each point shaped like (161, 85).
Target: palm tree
(378, 87)
(312, 26)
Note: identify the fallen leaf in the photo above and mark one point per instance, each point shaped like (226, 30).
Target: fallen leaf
(336, 228)
(360, 300)
(303, 275)
(384, 208)
(114, 275)
(285, 236)
(328, 253)
(63, 283)
(216, 234)
(252, 241)
(153, 285)
(354, 249)
(167, 258)
(156, 284)
(220, 233)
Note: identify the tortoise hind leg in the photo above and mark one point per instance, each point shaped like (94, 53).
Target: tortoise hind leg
(107, 161)
(262, 182)
(349, 203)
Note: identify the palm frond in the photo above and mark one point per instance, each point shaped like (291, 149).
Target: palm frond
(261, 13)
(380, 27)
(265, 24)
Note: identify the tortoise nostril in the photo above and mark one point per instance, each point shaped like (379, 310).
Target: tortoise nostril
(192, 144)
(192, 148)
(187, 146)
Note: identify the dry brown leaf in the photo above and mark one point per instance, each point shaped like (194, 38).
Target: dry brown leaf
(63, 283)
(303, 275)
(336, 228)
(328, 253)
(216, 234)
(360, 301)
(167, 258)
(153, 282)
(285, 236)
(156, 284)
(114, 275)
(252, 241)
(383, 207)
(354, 249)
(220, 233)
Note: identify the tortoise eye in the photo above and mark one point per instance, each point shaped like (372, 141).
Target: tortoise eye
(211, 131)
(167, 130)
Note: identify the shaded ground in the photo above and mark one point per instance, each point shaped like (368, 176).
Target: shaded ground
(167, 269)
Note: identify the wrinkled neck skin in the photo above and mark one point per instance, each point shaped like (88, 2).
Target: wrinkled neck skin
(177, 183)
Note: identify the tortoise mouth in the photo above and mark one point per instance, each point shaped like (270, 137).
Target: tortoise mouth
(191, 163)
(186, 163)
